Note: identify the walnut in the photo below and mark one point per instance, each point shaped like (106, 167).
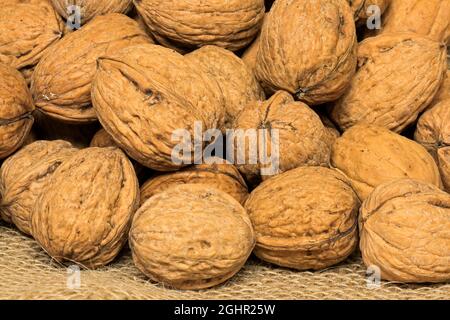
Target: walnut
(443, 155)
(404, 231)
(312, 224)
(84, 213)
(214, 237)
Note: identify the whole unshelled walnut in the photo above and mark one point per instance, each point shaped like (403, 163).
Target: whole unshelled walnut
(305, 218)
(84, 213)
(404, 227)
(308, 48)
(16, 107)
(216, 173)
(189, 24)
(370, 155)
(25, 174)
(191, 236)
(61, 82)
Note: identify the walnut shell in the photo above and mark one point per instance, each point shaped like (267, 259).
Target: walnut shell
(398, 76)
(251, 53)
(303, 139)
(361, 7)
(443, 155)
(102, 140)
(144, 93)
(16, 107)
(313, 222)
(404, 231)
(190, 24)
(84, 213)
(369, 156)
(433, 127)
(218, 174)
(444, 91)
(28, 29)
(61, 82)
(238, 84)
(214, 237)
(426, 17)
(290, 59)
(92, 8)
(25, 174)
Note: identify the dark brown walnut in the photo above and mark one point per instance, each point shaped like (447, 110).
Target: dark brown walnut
(84, 213)
(290, 57)
(217, 173)
(237, 83)
(144, 95)
(362, 8)
(213, 237)
(16, 106)
(79, 134)
(302, 138)
(444, 166)
(398, 76)
(404, 231)
(91, 8)
(433, 127)
(305, 218)
(425, 17)
(369, 156)
(25, 174)
(28, 28)
(61, 82)
(190, 24)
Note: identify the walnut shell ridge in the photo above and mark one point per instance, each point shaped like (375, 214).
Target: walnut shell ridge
(433, 127)
(61, 82)
(302, 138)
(92, 8)
(237, 83)
(216, 173)
(25, 174)
(397, 79)
(28, 29)
(404, 231)
(143, 94)
(370, 155)
(189, 24)
(289, 58)
(84, 213)
(313, 222)
(16, 107)
(191, 236)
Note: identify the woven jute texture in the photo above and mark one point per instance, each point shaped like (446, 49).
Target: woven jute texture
(26, 272)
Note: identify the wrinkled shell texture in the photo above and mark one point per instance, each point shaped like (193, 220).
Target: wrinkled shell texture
(230, 24)
(404, 231)
(238, 83)
(16, 106)
(308, 48)
(369, 156)
(361, 7)
(27, 30)
(61, 83)
(91, 8)
(426, 17)
(250, 54)
(303, 139)
(398, 76)
(84, 214)
(313, 222)
(144, 93)
(102, 140)
(25, 174)
(444, 92)
(444, 166)
(191, 237)
(433, 127)
(222, 176)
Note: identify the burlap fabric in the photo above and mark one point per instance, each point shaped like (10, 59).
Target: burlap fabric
(26, 272)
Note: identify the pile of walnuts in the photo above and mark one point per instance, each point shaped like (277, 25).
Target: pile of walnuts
(356, 119)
